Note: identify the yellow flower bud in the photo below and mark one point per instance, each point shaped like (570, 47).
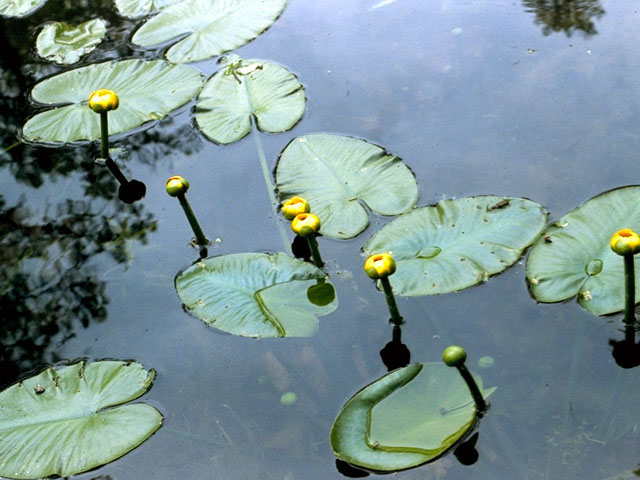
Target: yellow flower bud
(380, 265)
(305, 224)
(625, 242)
(454, 356)
(294, 206)
(103, 100)
(177, 185)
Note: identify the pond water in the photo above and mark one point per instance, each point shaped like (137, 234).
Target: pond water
(532, 99)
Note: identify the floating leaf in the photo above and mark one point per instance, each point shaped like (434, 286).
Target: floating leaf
(336, 173)
(141, 8)
(410, 416)
(69, 420)
(64, 44)
(574, 256)
(245, 89)
(208, 28)
(19, 8)
(254, 294)
(457, 243)
(148, 90)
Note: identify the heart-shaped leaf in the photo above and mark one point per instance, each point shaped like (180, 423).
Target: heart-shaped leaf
(244, 89)
(457, 243)
(208, 28)
(336, 173)
(69, 420)
(574, 256)
(255, 294)
(410, 416)
(64, 44)
(141, 8)
(148, 91)
(19, 8)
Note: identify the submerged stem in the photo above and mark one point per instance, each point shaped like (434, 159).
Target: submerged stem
(315, 251)
(201, 239)
(630, 290)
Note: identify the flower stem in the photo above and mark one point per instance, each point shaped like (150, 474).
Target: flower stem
(391, 301)
(630, 290)
(315, 251)
(104, 136)
(201, 239)
(481, 404)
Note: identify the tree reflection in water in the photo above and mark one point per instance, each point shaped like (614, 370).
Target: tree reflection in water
(565, 15)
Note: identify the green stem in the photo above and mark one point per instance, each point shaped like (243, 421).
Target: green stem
(630, 290)
(481, 405)
(391, 301)
(13, 145)
(315, 251)
(201, 239)
(104, 136)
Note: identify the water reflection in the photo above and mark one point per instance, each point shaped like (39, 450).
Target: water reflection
(565, 15)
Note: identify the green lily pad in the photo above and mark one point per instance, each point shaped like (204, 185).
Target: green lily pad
(254, 294)
(19, 8)
(411, 416)
(69, 420)
(244, 89)
(457, 243)
(141, 8)
(209, 27)
(148, 91)
(64, 44)
(574, 257)
(338, 175)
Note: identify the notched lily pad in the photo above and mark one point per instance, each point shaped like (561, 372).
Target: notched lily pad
(148, 91)
(71, 419)
(19, 8)
(64, 44)
(457, 243)
(141, 8)
(574, 257)
(246, 89)
(208, 28)
(336, 174)
(410, 416)
(256, 294)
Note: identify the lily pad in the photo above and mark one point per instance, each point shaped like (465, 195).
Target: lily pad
(254, 294)
(64, 44)
(208, 28)
(19, 8)
(574, 257)
(244, 89)
(148, 91)
(457, 243)
(410, 416)
(141, 8)
(339, 176)
(69, 420)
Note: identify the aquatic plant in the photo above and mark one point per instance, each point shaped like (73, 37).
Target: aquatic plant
(177, 186)
(307, 225)
(379, 267)
(455, 356)
(626, 243)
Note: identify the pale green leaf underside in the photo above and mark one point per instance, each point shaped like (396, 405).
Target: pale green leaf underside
(148, 90)
(253, 294)
(409, 417)
(64, 44)
(71, 426)
(335, 174)
(19, 8)
(209, 27)
(457, 243)
(141, 8)
(574, 256)
(267, 92)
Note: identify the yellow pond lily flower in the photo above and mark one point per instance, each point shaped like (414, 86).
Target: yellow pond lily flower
(295, 206)
(177, 185)
(625, 242)
(103, 100)
(305, 224)
(379, 265)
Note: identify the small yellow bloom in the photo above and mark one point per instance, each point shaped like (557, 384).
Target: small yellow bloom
(294, 206)
(454, 356)
(103, 100)
(177, 185)
(625, 242)
(305, 224)
(379, 265)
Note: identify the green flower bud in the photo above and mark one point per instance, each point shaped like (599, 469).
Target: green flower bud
(294, 206)
(454, 356)
(379, 265)
(177, 185)
(305, 224)
(103, 100)
(625, 242)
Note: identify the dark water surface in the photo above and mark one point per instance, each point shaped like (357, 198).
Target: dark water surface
(534, 99)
